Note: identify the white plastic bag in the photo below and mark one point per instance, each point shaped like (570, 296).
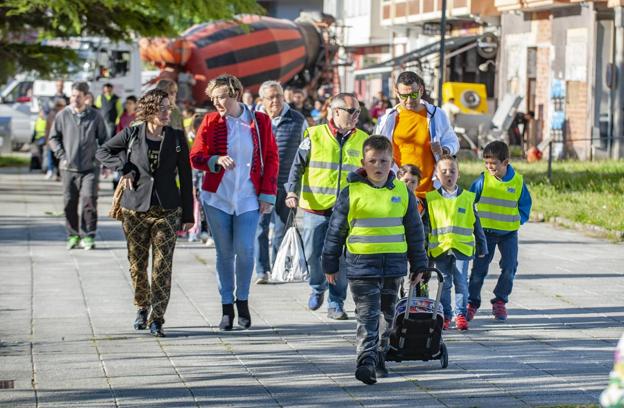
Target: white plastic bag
(290, 263)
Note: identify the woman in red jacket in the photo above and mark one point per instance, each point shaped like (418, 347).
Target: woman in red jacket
(236, 149)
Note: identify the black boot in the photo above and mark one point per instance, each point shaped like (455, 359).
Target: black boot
(244, 318)
(228, 317)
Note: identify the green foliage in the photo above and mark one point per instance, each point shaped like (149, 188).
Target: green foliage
(585, 192)
(24, 23)
(14, 161)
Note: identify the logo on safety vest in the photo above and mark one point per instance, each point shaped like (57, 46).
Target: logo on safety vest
(511, 190)
(461, 210)
(396, 199)
(353, 153)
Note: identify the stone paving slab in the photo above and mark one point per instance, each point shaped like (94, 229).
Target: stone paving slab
(67, 340)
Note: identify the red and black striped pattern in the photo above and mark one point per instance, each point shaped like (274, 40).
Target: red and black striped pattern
(255, 49)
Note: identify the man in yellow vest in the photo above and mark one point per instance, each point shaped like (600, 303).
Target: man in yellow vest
(376, 218)
(454, 233)
(110, 107)
(38, 141)
(326, 155)
(504, 203)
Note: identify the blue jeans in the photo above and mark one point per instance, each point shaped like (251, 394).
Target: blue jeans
(373, 298)
(279, 216)
(508, 247)
(234, 241)
(455, 273)
(314, 229)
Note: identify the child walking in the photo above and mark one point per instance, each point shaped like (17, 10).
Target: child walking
(375, 217)
(504, 203)
(454, 231)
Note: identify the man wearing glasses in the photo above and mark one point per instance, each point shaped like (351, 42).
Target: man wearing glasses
(326, 155)
(420, 132)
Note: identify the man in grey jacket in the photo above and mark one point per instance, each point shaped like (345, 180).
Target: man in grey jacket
(76, 133)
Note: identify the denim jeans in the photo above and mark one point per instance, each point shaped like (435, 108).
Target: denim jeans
(508, 247)
(373, 297)
(234, 241)
(314, 229)
(455, 273)
(264, 255)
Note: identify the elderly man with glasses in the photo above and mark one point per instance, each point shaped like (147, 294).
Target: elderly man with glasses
(288, 127)
(420, 132)
(326, 155)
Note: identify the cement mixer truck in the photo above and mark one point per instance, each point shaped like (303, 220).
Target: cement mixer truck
(253, 48)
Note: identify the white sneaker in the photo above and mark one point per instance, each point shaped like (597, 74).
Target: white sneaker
(204, 236)
(192, 238)
(49, 175)
(210, 243)
(262, 279)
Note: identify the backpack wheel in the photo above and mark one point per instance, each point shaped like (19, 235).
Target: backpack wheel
(443, 356)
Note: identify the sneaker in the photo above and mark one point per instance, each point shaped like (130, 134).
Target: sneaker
(471, 311)
(337, 313)
(262, 279)
(49, 175)
(204, 236)
(447, 324)
(366, 373)
(140, 323)
(210, 243)
(192, 238)
(460, 322)
(156, 329)
(73, 242)
(87, 243)
(316, 301)
(499, 310)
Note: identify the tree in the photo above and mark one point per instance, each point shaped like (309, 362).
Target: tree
(24, 24)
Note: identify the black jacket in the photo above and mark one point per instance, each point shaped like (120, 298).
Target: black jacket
(173, 161)
(375, 265)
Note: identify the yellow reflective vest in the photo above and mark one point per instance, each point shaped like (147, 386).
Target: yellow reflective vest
(328, 166)
(452, 223)
(376, 219)
(498, 205)
(40, 127)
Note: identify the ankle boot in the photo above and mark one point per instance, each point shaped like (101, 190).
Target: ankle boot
(228, 317)
(244, 318)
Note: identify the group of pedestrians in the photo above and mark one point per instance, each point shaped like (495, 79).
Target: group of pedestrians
(374, 207)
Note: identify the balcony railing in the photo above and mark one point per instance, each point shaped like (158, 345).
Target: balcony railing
(409, 11)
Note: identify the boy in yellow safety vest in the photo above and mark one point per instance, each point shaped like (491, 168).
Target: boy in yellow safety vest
(455, 235)
(504, 203)
(376, 219)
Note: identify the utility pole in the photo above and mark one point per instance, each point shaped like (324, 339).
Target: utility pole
(442, 69)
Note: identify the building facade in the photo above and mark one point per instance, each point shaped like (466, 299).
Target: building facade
(562, 57)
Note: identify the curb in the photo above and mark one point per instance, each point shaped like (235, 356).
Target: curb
(589, 228)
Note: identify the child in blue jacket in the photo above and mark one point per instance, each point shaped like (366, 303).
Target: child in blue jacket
(376, 219)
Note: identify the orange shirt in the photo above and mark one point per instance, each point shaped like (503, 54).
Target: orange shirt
(412, 145)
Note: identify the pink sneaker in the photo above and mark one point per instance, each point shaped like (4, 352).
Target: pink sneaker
(471, 311)
(499, 310)
(447, 324)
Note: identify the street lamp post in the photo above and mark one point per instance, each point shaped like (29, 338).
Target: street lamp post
(442, 64)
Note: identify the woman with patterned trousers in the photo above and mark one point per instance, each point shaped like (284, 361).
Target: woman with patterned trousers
(150, 155)
(237, 151)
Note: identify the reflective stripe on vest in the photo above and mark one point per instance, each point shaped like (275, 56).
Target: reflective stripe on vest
(40, 127)
(376, 218)
(328, 166)
(498, 205)
(452, 223)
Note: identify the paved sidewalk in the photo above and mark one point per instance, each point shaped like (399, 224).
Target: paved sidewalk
(66, 336)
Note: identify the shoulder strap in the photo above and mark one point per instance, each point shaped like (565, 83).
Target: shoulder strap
(133, 137)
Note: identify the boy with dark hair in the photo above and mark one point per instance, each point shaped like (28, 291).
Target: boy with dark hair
(504, 203)
(375, 217)
(454, 233)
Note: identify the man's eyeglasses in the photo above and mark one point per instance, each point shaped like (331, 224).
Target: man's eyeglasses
(351, 111)
(413, 95)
